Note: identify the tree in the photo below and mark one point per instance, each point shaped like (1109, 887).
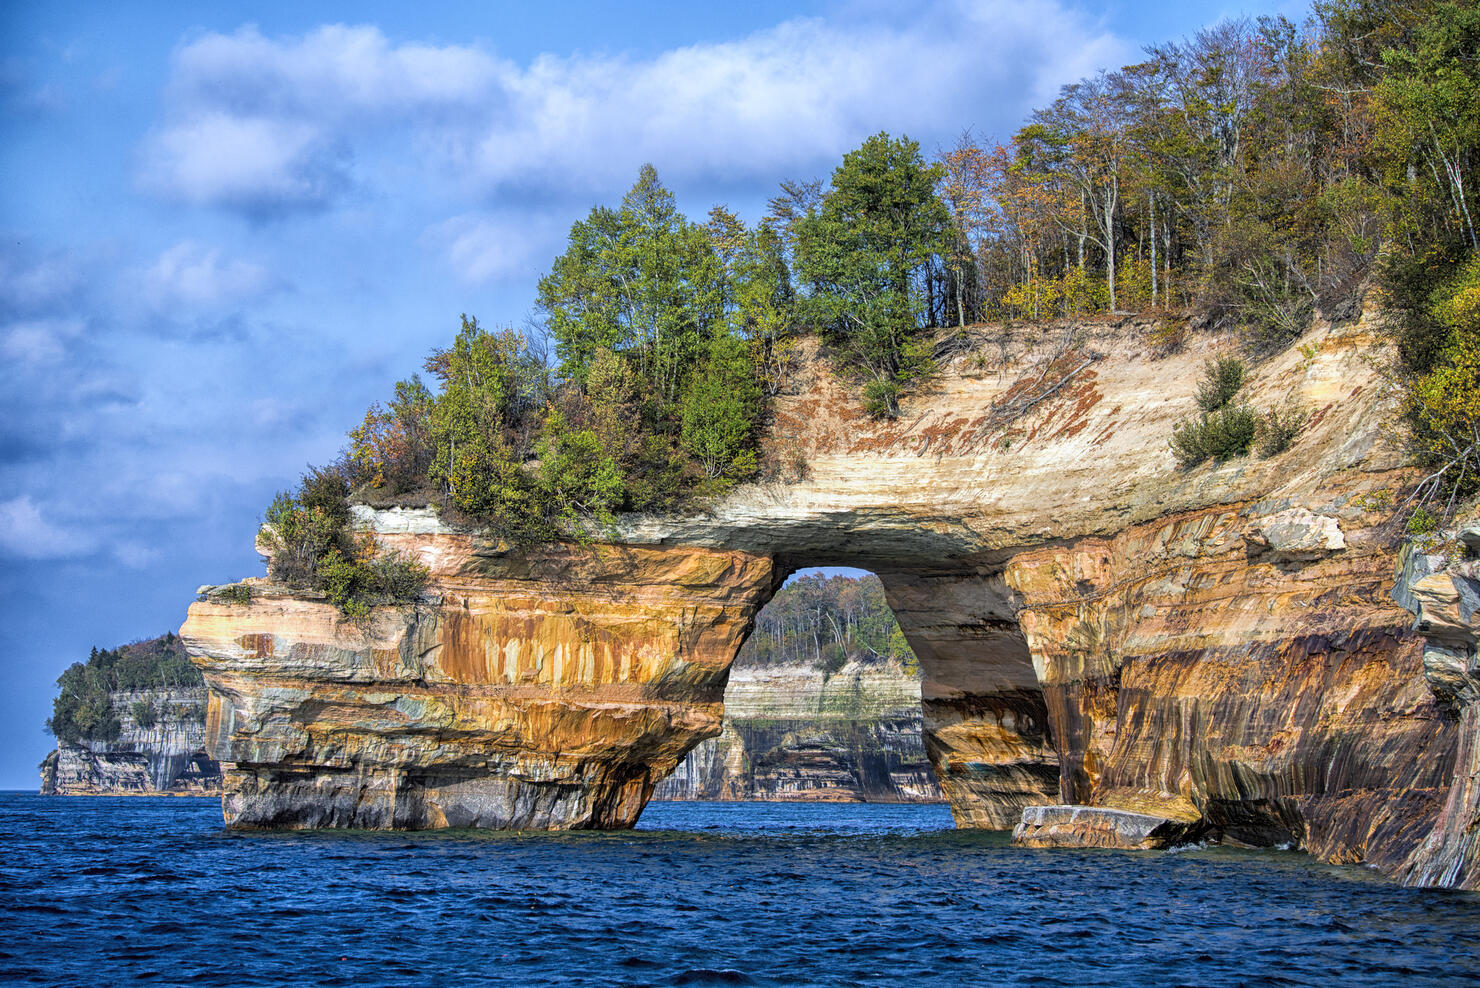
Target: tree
(1428, 108)
(867, 255)
(639, 280)
(392, 448)
(965, 180)
(765, 305)
(490, 385)
(720, 411)
(1084, 137)
(579, 475)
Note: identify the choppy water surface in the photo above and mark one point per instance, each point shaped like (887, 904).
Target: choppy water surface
(118, 891)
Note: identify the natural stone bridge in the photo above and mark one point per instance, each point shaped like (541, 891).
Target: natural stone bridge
(1219, 648)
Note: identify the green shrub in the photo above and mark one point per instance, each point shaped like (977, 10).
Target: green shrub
(237, 593)
(881, 399)
(144, 714)
(314, 545)
(398, 576)
(1422, 521)
(1221, 435)
(833, 658)
(1278, 430)
(1222, 378)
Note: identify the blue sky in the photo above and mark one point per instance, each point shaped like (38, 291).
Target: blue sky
(226, 229)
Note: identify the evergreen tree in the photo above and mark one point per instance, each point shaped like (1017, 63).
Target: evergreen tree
(867, 256)
(720, 410)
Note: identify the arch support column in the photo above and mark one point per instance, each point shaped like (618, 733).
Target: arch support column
(986, 724)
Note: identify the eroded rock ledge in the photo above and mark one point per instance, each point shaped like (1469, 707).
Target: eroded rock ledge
(1095, 627)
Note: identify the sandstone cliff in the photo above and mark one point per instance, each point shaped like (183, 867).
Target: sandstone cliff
(1217, 647)
(165, 757)
(792, 732)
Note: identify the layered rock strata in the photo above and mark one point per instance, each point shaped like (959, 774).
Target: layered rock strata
(547, 689)
(167, 757)
(1094, 625)
(1442, 590)
(792, 732)
(1100, 826)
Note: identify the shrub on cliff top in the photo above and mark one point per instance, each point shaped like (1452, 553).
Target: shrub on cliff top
(313, 544)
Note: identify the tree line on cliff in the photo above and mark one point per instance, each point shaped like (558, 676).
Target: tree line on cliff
(1254, 173)
(825, 622)
(83, 709)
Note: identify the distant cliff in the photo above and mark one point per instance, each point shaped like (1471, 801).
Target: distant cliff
(130, 720)
(823, 703)
(791, 732)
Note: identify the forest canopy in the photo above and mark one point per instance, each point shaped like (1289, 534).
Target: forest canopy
(1249, 177)
(826, 622)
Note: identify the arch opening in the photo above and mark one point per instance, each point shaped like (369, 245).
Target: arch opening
(882, 685)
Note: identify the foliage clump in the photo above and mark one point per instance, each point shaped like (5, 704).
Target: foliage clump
(1222, 379)
(867, 256)
(1278, 430)
(311, 542)
(1220, 435)
(83, 709)
(1224, 430)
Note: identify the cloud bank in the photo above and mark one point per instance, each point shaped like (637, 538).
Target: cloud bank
(269, 126)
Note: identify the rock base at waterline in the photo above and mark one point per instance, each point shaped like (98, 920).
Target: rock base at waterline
(1101, 826)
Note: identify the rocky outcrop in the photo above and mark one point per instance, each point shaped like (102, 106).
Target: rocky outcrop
(1100, 826)
(792, 732)
(1442, 590)
(542, 689)
(167, 757)
(1094, 625)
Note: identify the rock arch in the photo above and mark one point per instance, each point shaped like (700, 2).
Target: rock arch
(1217, 647)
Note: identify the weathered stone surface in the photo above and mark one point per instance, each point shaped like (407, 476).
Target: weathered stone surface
(1297, 533)
(793, 733)
(1094, 625)
(545, 689)
(1102, 826)
(1282, 703)
(1443, 592)
(166, 758)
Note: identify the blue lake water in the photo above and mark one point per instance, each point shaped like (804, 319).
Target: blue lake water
(154, 891)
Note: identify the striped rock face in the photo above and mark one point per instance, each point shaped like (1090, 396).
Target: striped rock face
(1218, 647)
(547, 690)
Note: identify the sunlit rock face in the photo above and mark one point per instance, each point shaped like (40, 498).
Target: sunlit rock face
(1094, 625)
(540, 690)
(1443, 593)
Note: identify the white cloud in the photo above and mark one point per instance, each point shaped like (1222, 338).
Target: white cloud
(134, 555)
(333, 71)
(256, 164)
(193, 274)
(268, 124)
(31, 281)
(38, 342)
(25, 534)
(485, 247)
